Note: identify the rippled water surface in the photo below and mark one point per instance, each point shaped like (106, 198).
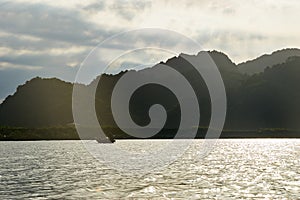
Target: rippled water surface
(246, 168)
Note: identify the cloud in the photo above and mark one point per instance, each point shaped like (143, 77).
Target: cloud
(129, 9)
(49, 23)
(42, 39)
(6, 65)
(43, 59)
(51, 38)
(229, 11)
(95, 7)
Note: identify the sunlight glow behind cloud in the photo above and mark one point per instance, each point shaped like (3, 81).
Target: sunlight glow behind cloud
(53, 36)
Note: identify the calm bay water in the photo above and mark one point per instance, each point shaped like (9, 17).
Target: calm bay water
(237, 168)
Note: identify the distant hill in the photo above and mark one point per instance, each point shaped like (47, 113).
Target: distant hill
(38, 103)
(269, 99)
(272, 98)
(258, 65)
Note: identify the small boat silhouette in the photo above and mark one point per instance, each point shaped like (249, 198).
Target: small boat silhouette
(107, 139)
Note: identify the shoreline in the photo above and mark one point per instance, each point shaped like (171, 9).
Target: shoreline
(70, 133)
(246, 138)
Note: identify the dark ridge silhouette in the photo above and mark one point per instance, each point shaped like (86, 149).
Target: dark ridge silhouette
(258, 65)
(271, 98)
(37, 103)
(259, 105)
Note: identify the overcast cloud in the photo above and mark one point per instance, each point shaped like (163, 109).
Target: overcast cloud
(49, 38)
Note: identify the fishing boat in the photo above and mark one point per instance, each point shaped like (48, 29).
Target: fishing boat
(106, 140)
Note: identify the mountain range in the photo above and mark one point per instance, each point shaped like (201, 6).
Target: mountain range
(258, 65)
(261, 93)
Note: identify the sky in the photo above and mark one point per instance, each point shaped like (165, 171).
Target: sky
(51, 38)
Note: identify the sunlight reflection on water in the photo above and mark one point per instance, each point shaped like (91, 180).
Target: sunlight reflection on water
(238, 168)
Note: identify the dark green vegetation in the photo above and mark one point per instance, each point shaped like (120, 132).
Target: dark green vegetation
(258, 65)
(50, 133)
(266, 103)
(70, 133)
